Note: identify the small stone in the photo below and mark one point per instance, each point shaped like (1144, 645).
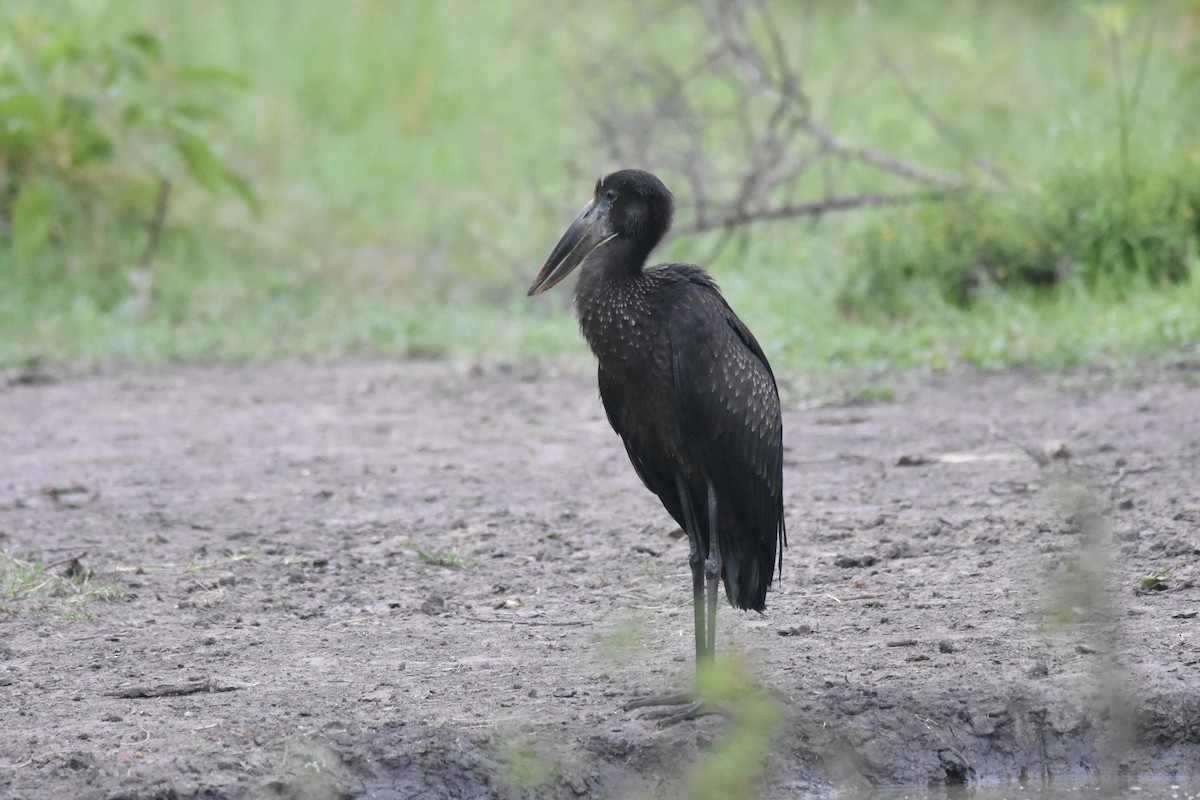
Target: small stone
(1056, 449)
(982, 725)
(795, 630)
(433, 605)
(851, 562)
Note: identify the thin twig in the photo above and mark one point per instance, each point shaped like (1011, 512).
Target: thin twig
(1039, 457)
(157, 222)
(145, 738)
(814, 209)
(855, 597)
(31, 759)
(1143, 63)
(933, 118)
(529, 622)
(880, 159)
(1122, 472)
(172, 689)
(67, 560)
(754, 157)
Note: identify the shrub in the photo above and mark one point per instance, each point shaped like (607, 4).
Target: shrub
(1097, 227)
(94, 134)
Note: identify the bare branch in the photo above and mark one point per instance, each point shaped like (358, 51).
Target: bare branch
(735, 124)
(157, 222)
(877, 158)
(940, 125)
(817, 208)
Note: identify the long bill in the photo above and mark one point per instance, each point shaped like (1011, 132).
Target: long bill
(585, 234)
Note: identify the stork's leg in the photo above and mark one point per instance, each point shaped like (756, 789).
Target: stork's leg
(692, 708)
(712, 575)
(704, 613)
(696, 562)
(703, 648)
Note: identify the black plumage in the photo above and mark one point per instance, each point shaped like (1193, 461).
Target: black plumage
(686, 386)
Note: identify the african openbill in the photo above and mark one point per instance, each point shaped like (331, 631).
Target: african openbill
(686, 386)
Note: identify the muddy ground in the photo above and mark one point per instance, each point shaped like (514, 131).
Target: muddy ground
(404, 579)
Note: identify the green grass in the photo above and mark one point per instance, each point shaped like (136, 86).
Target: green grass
(440, 558)
(414, 163)
(27, 585)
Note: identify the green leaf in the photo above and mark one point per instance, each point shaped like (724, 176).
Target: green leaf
(197, 111)
(32, 218)
(1112, 18)
(956, 46)
(209, 171)
(243, 189)
(201, 162)
(23, 118)
(62, 46)
(146, 43)
(89, 144)
(133, 115)
(214, 76)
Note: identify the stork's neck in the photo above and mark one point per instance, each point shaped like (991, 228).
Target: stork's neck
(612, 299)
(612, 267)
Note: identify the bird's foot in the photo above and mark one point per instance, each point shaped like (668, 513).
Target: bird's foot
(671, 709)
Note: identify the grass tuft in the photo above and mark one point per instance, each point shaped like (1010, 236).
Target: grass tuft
(68, 593)
(446, 558)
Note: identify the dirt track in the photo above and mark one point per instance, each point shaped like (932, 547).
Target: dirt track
(974, 615)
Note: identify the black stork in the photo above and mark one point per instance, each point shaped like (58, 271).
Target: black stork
(688, 389)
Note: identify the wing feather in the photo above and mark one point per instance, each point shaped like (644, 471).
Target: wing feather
(728, 405)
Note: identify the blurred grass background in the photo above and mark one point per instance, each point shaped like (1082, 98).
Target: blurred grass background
(413, 162)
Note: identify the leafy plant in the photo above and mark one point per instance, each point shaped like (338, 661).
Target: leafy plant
(94, 134)
(734, 766)
(1105, 217)
(524, 766)
(1096, 227)
(1113, 21)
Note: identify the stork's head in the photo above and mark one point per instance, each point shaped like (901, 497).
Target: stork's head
(627, 217)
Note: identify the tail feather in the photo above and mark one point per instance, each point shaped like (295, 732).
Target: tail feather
(749, 565)
(751, 550)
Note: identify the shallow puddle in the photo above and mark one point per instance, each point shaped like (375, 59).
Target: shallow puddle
(1151, 790)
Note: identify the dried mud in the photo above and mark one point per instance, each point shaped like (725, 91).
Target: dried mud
(405, 579)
